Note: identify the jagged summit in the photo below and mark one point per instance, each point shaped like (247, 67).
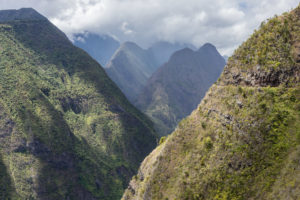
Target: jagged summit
(20, 14)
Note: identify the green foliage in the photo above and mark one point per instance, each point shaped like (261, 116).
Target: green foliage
(67, 129)
(203, 124)
(208, 143)
(249, 148)
(162, 140)
(270, 47)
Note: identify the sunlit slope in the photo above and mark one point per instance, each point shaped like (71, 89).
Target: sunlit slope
(243, 140)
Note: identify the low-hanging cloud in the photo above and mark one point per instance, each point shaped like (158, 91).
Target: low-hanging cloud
(225, 23)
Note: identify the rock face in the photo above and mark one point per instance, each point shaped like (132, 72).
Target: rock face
(177, 87)
(243, 140)
(130, 68)
(100, 47)
(66, 130)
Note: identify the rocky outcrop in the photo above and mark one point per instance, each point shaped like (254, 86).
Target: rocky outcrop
(262, 78)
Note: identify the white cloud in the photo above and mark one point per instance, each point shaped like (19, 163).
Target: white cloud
(225, 23)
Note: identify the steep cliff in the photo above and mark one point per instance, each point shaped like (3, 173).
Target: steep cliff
(243, 140)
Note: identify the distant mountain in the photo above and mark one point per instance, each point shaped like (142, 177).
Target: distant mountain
(100, 47)
(243, 140)
(66, 130)
(177, 87)
(162, 50)
(130, 67)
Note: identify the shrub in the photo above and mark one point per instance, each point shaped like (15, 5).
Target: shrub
(208, 143)
(162, 140)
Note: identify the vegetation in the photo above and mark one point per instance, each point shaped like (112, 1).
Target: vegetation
(66, 130)
(242, 142)
(271, 53)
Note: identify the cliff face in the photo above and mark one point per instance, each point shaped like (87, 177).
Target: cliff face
(66, 130)
(177, 87)
(243, 140)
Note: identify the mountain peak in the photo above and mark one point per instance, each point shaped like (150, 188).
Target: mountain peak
(208, 46)
(180, 54)
(20, 14)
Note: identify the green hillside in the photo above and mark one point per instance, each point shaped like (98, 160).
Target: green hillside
(243, 140)
(66, 130)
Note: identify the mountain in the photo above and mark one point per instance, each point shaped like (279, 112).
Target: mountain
(130, 67)
(243, 140)
(100, 47)
(177, 87)
(162, 50)
(66, 130)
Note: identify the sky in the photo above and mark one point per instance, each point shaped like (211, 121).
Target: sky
(224, 23)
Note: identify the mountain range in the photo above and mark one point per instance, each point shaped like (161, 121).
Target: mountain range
(128, 65)
(66, 130)
(243, 140)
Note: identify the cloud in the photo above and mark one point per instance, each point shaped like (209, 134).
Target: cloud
(225, 23)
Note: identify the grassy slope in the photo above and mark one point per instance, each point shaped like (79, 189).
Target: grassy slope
(243, 141)
(66, 129)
